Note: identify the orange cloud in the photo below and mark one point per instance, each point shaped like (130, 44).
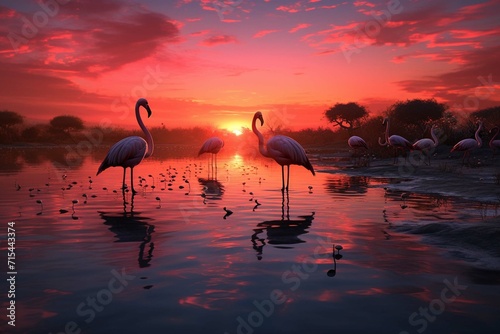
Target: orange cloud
(263, 33)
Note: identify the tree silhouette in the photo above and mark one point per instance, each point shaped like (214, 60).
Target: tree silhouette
(347, 115)
(66, 123)
(489, 115)
(8, 121)
(415, 115)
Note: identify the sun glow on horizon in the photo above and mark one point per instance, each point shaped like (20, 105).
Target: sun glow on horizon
(234, 128)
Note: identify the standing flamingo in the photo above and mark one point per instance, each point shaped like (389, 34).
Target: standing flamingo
(427, 145)
(284, 150)
(357, 143)
(130, 151)
(397, 142)
(212, 145)
(467, 145)
(494, 144)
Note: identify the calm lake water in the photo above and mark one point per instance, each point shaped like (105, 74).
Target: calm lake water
(114, 263)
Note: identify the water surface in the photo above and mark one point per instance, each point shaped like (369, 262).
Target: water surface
(171, 259)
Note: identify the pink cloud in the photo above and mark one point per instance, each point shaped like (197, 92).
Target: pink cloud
(263, 33)
(293, 8)
(299, 27)
(219, 39)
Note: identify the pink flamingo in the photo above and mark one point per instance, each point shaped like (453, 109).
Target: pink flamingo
(469, 144)
(212, 145)
(397, 142)
(130, 151)
(427, 145)
(494, 144)
(284, 150)
(357, 143)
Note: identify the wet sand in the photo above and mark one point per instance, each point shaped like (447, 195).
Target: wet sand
(446, 175)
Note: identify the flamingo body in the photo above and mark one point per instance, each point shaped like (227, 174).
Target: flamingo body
(397, 142)
(284, 150)
(469, 144)
(356, 142)
(287, 151)
(211, 145)
(130, 151)
(426, 145)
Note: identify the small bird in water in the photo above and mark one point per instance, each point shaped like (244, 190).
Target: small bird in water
(228, 212)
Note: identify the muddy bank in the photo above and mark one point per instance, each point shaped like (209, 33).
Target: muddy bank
(446, 175)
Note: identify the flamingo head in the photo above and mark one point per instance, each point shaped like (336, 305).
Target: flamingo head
(386, 119)
(258, 115)
(143, 102)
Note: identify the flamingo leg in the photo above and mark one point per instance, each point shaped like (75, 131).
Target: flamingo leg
(215, 156)
(132, 180)
(287, 177)
(282, 178)
(123, 181)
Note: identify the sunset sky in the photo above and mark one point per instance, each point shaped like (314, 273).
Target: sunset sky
(214, 62)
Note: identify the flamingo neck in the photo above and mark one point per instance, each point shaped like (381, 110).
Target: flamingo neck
(149, 137)
(434, 137)
(386, 134)
(262, 149)
(478, 139)
(494, 136)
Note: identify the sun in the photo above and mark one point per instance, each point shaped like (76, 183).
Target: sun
(237, 132)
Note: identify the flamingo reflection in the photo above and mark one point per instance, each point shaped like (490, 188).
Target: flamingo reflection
(281, 233)
(335, 256)
(212, 189)
(132, 227)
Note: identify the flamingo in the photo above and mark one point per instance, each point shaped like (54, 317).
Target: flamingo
(494, 144)
(130, 151)
(212, 145)
(426, 145)
(357, 143)
(397, 142)
(284, 150)
(467, 145)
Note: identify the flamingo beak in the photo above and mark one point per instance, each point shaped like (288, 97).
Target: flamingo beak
(148, 109)
(261, 120)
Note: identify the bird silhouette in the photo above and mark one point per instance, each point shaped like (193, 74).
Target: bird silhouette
(469, 144)
(426, 145)
(212, 145)
(397, 142)
(494, 143)
(357, 143)
(284, 150)
(130, 151)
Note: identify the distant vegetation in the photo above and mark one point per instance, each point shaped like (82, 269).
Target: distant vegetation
(411, 118)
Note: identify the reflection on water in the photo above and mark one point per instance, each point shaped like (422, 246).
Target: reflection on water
(131, 226)
(283, 232)
(397, 248)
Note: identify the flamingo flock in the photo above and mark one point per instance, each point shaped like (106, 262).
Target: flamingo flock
(285, 151)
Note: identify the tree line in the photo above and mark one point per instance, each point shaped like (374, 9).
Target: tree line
(411, 118)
